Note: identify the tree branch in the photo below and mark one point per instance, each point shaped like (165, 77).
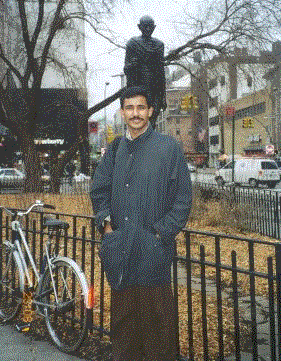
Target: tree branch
(104, 103)
(82, 16)
(53, 29)
(10, 65)
(38, 25)
(175, 54)
(33, 42)
(26, 39)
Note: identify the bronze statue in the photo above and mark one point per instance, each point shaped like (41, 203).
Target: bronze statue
(144, 65)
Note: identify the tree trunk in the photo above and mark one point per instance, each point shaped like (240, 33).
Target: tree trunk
(85, 157)
(59, 165)
(33, 182)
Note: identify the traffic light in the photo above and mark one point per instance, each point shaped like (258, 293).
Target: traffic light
(110, 134)
(189, 102)
(248, 123)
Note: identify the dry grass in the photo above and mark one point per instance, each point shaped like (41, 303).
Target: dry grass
(219, 216)
(209, 216)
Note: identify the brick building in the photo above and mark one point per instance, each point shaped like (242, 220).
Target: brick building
(253, 124)
(180, 123)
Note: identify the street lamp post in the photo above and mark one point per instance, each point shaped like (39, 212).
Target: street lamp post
(105, 125)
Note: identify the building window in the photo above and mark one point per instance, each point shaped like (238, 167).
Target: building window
(212, 83)
(178, 132)
(214, 121)
(178, 120)
(249, 81)
(214, 140)
(213, 102)
(174, 103)
(222, 80)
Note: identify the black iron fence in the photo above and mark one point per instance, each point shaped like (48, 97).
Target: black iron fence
(259, 210)
(227, 289)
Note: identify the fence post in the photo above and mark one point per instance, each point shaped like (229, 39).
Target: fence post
(1, 245)
(277, 205)
(176, 298)
(278, 298)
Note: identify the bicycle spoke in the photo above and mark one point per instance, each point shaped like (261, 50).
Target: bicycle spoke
(65, 283)
(11, 285)
(66, 321)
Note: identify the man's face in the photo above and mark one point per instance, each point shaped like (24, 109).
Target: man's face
(136, 113)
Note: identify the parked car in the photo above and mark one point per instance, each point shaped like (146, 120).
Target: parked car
(251, 171)
(11, 178)
(191, 167)
(81, 177)
(278, 162)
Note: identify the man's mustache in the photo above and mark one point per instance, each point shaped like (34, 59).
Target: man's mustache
(136, 118)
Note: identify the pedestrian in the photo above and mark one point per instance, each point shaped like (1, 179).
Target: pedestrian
(222, 159)
(141, 197)
(70, 170)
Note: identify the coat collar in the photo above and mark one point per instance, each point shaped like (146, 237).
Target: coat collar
(132, 144)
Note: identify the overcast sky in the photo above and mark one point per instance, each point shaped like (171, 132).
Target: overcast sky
(104, 60)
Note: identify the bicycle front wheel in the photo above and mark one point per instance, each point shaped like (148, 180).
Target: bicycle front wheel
(11, 283)
(64, 292)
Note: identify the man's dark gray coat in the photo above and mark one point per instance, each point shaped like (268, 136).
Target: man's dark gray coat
(145, 187)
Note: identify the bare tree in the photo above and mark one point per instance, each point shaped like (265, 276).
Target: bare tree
(39, 30)
(221, 27)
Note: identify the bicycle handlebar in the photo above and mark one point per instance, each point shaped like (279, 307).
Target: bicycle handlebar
(37, 203)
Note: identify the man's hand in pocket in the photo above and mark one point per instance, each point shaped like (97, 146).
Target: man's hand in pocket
(107, 227)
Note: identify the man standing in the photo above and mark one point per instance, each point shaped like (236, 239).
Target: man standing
(141, 196)
(144, 65)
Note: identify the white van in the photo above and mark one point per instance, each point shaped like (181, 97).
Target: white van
(252, 171)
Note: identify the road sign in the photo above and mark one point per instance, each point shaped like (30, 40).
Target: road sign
(269, 149)
(229, 111)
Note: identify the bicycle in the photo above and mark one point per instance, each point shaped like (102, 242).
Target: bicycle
(60, 291)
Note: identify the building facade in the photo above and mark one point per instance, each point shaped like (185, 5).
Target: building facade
(178, 122)
(63, 94)
(273, 78)
(252, 124)
(230, 78)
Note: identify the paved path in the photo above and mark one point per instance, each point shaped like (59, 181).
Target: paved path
(15, 346)
(262, 310)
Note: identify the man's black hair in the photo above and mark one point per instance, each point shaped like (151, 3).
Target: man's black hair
(135, 91)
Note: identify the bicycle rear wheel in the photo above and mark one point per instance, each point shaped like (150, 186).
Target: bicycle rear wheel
(66, 313)
(11, 283)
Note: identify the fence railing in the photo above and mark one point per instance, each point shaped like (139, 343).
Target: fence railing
(227, 289)
(260, 208)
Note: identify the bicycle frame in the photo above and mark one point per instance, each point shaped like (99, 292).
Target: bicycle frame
(57, 286)
(16, 226)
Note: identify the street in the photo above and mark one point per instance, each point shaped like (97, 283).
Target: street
(209, 178)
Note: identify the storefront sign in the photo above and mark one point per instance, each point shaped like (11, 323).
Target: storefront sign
(49, 141)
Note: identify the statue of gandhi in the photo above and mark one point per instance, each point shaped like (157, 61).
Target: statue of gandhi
(144, 65)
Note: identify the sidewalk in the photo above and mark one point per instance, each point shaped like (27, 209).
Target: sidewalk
(16, 346)
(206, 170)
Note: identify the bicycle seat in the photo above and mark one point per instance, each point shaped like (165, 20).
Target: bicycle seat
(55, 223)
